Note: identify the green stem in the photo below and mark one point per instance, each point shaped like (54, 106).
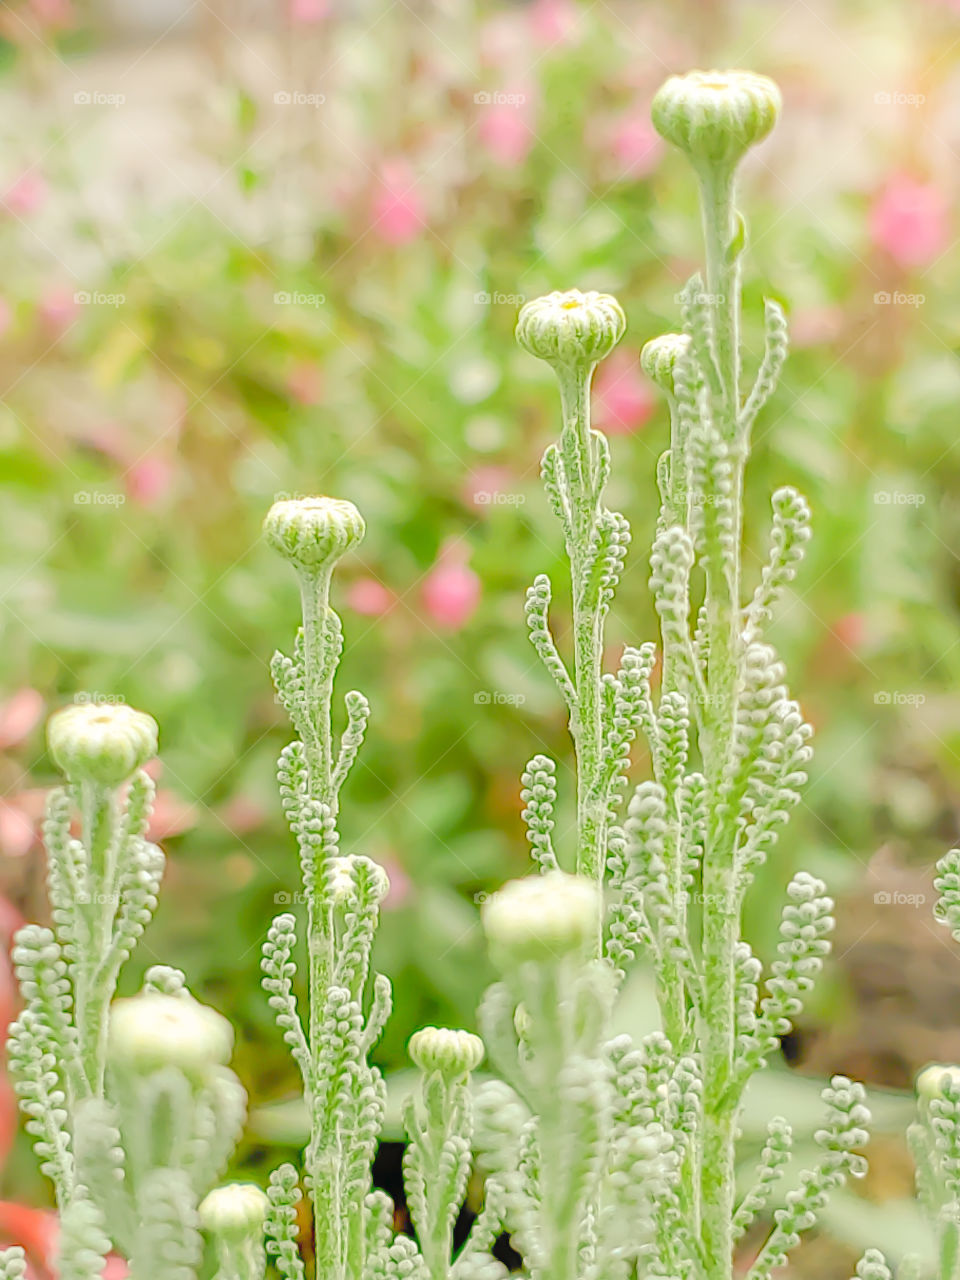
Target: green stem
(721, 927)
(93, 988)
(580, 454)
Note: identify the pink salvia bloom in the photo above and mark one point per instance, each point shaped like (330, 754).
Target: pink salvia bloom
(19, 716)
(909, 221)
(553, 22)
(505, 134)
(623, 398)
(636, 146)
(451, 593)
(397, 209)
(307, 12)
(150, 480)
(369, 597)
(26, 194)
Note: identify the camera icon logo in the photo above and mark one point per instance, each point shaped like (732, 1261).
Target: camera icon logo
(283, 98)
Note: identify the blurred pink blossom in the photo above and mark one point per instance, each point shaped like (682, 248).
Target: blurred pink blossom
(17, 830)
(19, 715)
(26, 194)
(305, 383)
(623, 398)
(242, 814)
(370, 597)
(397, 211)
(909, 221)
(306, 12)
(58, 309)
(553, 21)
(53, 13)
(451, 591)
(400, 883)
(6, 316)
(505, 133)
(150, 480)
(636, 146)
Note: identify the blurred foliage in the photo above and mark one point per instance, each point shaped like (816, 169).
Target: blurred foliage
(217, 290)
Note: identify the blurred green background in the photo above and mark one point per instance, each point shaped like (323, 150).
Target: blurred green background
(255, 248)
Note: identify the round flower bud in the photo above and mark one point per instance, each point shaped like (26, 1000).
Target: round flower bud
(234, 1211)
(542, 918)
(659, 357)
(341, 877)
(452, 1053)
(571, 328)
(716, 116)
(151, 1031)
(313, 533)
(101, 743)
(931, 1080)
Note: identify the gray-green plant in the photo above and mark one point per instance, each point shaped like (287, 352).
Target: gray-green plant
(605, 1157)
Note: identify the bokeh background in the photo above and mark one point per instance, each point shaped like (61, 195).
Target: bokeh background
(265, 247)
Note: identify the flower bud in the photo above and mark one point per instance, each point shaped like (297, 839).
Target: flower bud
(313, 533)
(659, 357)
(716, 116)
(542, 918)
(101, 743)
(931, 1080)
(452, 1053)
(341, 875)
(571, 328)
(151, 1031)
(234, 1211)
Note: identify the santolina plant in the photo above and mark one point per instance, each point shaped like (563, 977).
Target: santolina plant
(605, 1158)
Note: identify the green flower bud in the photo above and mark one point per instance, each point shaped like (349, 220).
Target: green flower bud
(313, 533)
(541, 918)
(716, 116)
(235, 1211)
(659, 357)
(151, 1031)
(341, 877)
(931, 1080)
(571, 328)
(101, 743)
(452, 1053)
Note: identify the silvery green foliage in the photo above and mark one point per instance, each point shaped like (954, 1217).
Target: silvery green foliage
(644, 1164)
(130, 1146)
(13, 1263)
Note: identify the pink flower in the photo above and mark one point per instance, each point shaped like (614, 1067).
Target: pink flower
(909, 221)
(306, 12)
(506, 134)
(370, 597)
(16, 830)
(19, 716)
(26, 194)
(636, 146)
(397, 209)
(6, 316)
(305, 383)
(150, 480)
(58, 309)
(53, 13)
(451, 592)
(623, 398)
(553, 21)
(401, 885)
